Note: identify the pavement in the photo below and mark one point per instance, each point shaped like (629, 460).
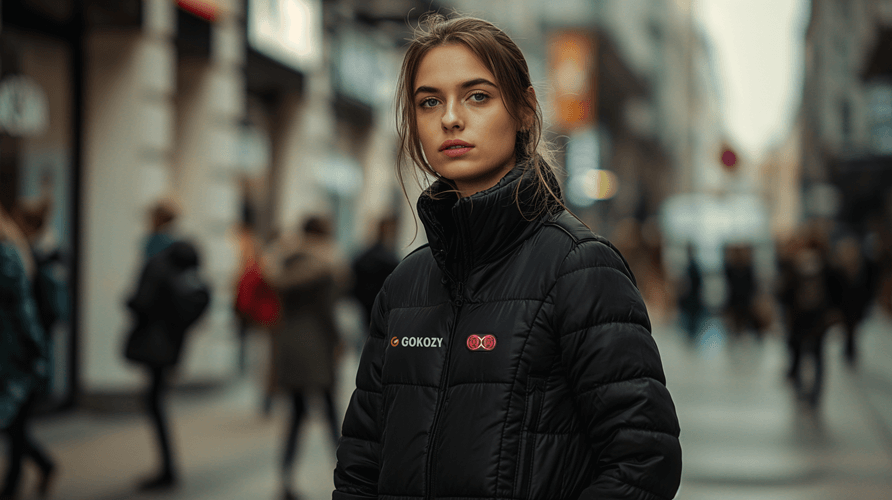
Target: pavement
(744, 434)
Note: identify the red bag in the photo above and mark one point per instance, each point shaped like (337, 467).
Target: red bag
(256, 299)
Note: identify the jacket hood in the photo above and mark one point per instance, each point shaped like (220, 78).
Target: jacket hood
(468, 232)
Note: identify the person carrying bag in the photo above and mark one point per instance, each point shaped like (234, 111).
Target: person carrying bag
(169, 299)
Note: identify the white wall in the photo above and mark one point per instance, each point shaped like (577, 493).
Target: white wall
(128, 117)
(155, 127)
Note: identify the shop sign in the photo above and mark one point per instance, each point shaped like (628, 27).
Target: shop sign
(24, 111)
(571, 57)
(289, 31)
(205, 9)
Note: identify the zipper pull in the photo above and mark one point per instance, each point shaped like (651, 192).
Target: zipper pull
(459, 294)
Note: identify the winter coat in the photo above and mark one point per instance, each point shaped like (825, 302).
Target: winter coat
(23, 347)
(154, 303)
(306, 334)
(511, 358)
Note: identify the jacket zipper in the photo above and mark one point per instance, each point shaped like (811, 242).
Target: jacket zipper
(536, 393)
(442, 399)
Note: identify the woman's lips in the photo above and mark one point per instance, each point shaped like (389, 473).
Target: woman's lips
(455, 152)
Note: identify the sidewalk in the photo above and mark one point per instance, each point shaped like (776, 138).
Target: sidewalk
(225, 448)
(744, 436)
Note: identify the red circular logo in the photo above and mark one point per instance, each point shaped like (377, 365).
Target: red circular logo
(394, 342)
(489, 342)
(473, 342)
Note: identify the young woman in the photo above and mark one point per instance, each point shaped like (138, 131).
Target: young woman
(511, 357)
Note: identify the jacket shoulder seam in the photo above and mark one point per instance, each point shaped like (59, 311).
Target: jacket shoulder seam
(614, 382)
(603, 323)
(413, 252)
(597, 266)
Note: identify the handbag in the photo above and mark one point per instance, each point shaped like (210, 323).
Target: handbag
(256, 299)
(150, 343)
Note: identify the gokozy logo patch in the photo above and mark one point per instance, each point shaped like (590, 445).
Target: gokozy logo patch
(416, 342)
(484, 343)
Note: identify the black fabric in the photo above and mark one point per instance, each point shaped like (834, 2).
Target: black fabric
(169, 298)
(155, 407)
(569, 403)
(22, 445)
(298, 412)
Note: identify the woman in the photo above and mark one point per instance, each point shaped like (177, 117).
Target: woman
(306, 336)
(512, 356)
(23, 359)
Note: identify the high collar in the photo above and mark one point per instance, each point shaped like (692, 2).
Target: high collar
(465, 233)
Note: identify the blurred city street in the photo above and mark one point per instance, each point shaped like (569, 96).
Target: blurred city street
(744, 435)
(738, 154)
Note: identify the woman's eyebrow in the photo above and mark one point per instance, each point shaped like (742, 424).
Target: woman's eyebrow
(470, 83)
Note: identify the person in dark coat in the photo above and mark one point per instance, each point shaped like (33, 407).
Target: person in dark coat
(741, 280)
(511, 357)
(153, 305)
(306, 336)
(806, 293)
(690, 303)
(372, 267)
(852, 291)
(24, 359)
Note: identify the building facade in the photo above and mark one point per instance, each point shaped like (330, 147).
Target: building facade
(846, 115)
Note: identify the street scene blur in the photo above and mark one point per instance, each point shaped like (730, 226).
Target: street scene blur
(199, 199)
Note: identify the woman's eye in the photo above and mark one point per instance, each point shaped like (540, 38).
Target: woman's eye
(479, 97)
(428, 103)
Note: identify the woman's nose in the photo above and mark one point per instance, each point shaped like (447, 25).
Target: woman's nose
(452, 117)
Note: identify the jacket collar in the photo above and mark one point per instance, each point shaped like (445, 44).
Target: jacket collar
(469, 232)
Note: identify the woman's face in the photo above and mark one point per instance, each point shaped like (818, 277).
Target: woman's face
(465, 129)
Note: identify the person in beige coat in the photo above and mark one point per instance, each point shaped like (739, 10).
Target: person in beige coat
(309, 279)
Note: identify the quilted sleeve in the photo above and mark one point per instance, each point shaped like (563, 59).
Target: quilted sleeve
(359, 449)
(616, 375)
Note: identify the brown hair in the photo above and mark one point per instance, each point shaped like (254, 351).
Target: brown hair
(162, 213)
(507, 64)
(318, 225)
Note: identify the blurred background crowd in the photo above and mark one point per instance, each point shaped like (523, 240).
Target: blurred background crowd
(262, 131)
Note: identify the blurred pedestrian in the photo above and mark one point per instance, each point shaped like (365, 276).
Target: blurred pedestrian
(372, 267)
(248, 261)
(50, 286)
(306, 336)
(247, 270)
(23, 358)
(806, 293)
(162, 221)
(169, 297)
(511, 357)
(852, 290)
(741, 281)
(690, 302)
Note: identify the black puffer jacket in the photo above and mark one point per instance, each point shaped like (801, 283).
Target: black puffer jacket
(510, 358)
